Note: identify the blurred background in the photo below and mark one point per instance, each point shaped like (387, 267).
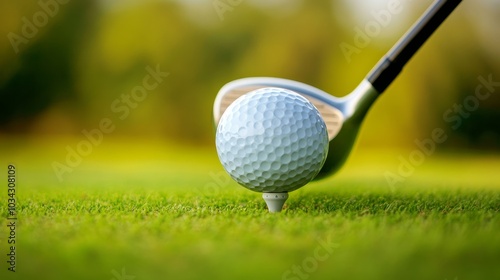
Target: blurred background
(66, 65)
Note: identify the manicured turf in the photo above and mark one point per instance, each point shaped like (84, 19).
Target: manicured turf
(155, 212)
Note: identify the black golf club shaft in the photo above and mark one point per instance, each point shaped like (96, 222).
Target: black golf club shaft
(388, 68)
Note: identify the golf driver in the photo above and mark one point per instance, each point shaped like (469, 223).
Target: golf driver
(343, 116)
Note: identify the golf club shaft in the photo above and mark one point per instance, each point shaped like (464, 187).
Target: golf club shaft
(388, 68)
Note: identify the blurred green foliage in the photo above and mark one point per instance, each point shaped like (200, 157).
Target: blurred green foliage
(90, 53)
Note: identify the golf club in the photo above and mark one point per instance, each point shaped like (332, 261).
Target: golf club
(343, 116)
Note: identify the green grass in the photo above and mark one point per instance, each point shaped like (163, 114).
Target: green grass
(171, 213)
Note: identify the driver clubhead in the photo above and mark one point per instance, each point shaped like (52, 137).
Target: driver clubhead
(342, 116)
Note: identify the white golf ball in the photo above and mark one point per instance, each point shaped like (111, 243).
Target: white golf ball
(272, 140)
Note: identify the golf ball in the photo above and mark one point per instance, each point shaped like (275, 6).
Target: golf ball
(272, 140)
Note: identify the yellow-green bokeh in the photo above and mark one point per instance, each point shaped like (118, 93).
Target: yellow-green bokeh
(89, 53)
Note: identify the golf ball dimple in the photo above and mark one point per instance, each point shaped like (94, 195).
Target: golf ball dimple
(272, 140)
